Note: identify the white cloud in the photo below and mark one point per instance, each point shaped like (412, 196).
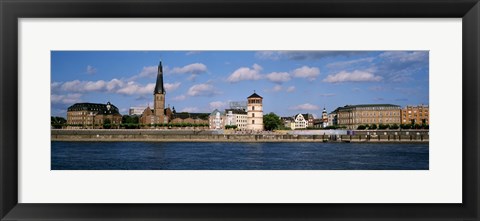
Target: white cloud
(113, 84)
(377, 88)
(327, 95)
(190, 109)
(179, 98)
(217, 105)
(135, 88)
(306, 106)
(171, 86)
(245, 73)
(192, 52)
(277, 88)
(65, 99)
(405, 56)
(206, 90)
(291, 89)
(149, 71)
(310, 73)
(305, 55)
(91, 69)
(94, 85)
(195, 68)
(278, 77)
(344, 64)
(355, 76)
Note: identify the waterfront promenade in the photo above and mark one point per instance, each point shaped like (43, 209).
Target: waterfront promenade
(215, 136)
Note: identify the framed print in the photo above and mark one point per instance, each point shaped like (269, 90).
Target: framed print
(165, 110)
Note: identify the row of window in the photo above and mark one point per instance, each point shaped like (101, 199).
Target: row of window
(254, 101)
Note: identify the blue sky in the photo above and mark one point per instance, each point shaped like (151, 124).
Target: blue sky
(200, 81)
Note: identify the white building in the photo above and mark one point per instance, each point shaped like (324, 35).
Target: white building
(236, 117)
(332, 119)
(136, 110)
(255, 112)
(299, 122)
(217, 120)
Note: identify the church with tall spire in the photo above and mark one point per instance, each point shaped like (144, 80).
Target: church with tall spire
(157, 115)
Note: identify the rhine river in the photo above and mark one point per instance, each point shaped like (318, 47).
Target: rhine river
(238, 156)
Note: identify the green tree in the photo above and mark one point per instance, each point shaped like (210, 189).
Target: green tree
(58, 122)
(107, 124)
(361, 127)
(373, 127)
(271, 121)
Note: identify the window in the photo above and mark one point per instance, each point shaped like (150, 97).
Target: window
(253, 121)
(253, 107)
(253, 114)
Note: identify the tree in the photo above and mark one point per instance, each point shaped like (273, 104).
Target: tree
(107, 124)
(271, 121)
(373, 126)
(361, 127)
(58, 122)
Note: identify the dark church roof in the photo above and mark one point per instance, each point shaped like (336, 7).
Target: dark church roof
(94, 107)
(255, 95)
(159, 85)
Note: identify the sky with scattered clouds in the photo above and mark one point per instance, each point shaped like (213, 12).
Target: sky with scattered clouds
(290, 82)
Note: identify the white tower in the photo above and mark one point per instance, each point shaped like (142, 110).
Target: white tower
(255, 112)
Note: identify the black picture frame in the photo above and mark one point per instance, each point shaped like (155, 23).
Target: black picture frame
(12, 10)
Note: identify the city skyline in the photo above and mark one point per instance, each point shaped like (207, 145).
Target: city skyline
(291, 82)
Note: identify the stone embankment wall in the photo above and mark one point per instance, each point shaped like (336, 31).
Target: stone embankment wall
(212, 136)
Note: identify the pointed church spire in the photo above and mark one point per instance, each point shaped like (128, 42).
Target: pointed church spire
(159, 85)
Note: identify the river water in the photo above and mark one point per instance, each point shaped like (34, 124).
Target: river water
(238, 156)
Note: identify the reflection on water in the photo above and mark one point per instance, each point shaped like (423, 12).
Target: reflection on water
(237, 156)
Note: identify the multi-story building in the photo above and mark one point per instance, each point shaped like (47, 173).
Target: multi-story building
(217, 120)
(190, 118)
(415, 115)
(255, 112)
(136, 110)
(93, 115)
(352, 116)
(236, 117)
(309, 118)
(287, 121)
(332, 118)
(300, 121)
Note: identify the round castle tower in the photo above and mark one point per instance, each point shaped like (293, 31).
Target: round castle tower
(255, 112)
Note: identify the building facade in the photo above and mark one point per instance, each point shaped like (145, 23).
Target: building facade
(217, 120)
(189, 118)
(255, 112)
(416, 115)
(332, 119)
(93, 115)
(352, 116)
(236, 117)
(136, 110)
(300, 122)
